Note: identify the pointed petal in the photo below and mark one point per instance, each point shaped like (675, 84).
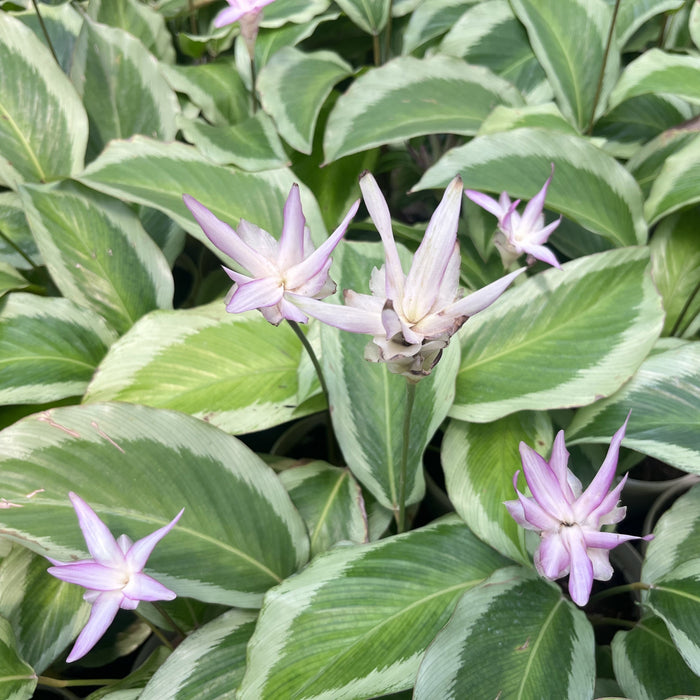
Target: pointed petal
(581, 572)
(138, 554)
(433, 255)
(558, 463)
(99, 540)
(607, 512)
(258, 239)
(448, 290)
(528, 513)
(486, 202)
(544, 485)
(347, 318)
(379, 213)
(606, 540)
(291, 245)
(91, 575)
(228, 15)
(600, 559)
(541, 236)
(534, 208)
(227, 240)
(541, 253)
(143, 587)
(104, 610)
(479, 300)
(265, 291)
(552, 559)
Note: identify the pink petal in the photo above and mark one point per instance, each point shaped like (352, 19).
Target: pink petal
(258, 239)
(138, 554)
(347, 318)
(291, 245)
(99, 540)
(479, 300)
(229, 15)
(541, 236)
(552, 559)
(544, 485)
(606, 540)
(581, 572)
(534, 207)
(486, 202)
(143, 587)
(104, 610)
(600, 559)
(541, 253)
(266, 291)
(91, 575)
(558, 463)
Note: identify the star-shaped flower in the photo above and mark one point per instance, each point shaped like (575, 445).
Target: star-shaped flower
(568, 519)
(520, 234)
(238, 9)
(280, 271)
(114, 576)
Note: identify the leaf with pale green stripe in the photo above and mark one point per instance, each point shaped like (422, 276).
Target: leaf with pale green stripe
(572, 60)
(677, 184)
(356, 622)
(236, 371)
(157, 174)
(664, 397)
(367, 401)
(429, 20)
(488, 34)
(399, 100)
(589, 186)
(43, 125)
(648, 665)
(209, 664)
(122, 88)
(17, 678)
(672, 567)
(97, 252)
(46, 613)
(10, 279)
(632, 14)
(513, 636)
(542, 116)
(659, 71)
(293, 86)
(296, 11)
(562, 338)
(49, 348)
(135, 681)
(479, 461)
(17, 245)
(369, 15)
(331, 503)
(137, 467)
(252, 144)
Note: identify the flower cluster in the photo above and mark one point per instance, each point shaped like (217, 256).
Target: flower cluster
(568, 519)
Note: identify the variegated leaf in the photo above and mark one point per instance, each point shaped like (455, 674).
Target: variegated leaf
(17, 679)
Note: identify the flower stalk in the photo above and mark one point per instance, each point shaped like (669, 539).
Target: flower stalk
(403, 466)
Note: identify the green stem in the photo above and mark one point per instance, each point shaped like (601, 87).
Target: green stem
(387, 34)
(163, 639)
(626, 588)
(410, 399)
(613, 621)
(46, 34)
(601, 77)
(332, 454)
(684, 310)
(376, 50)
(58, 683)
(253, 80)
(169, 619)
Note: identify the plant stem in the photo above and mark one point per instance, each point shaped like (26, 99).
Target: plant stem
(169, 619)
(410, 399)
(58, 683)
(614, 621)
(376, 50)
(387, 34)
(332, 454)
(684, 310)
(46, 34)
(253, 80)
(639, 586)
(601, 77)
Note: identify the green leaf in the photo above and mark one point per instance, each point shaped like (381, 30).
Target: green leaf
(356, 621)
(10, 279)
(137, 467)
(371, 17)
(49, 348)
(331, 503)
(367, 401)
(675, 259)
(43, 126)
(672, 566)
(589, 186)
(17, 245)
(429, 20)
(398, 101)
(293, 87)
(541, 347)
(513, 636)
(488, 34)
(209, 664)
(542, 116)
(130, 686)
(479, 461)
(657, 71)
(678, 183)
(157, 174)
(664, 397)
(123, 91)
(252, 144)
(98, 253)
(235, 371)
(297, 11)
(569, 40)
(17, 679)
(632, 14)
(46, 613)
(647, 664)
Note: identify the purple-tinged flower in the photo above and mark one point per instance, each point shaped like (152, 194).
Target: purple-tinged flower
(520, 234)
(568, 519)
(248, 13)
(412, 317)
(280, 271)
(114, 576)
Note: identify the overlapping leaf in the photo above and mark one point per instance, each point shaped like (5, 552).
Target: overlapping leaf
(429, 20)
(137, 467)
(356, 621)
(541, 346)
(371, 17)
(17, 679)
(589, 186)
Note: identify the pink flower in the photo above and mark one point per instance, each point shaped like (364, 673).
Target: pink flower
(237, 9)
(520, 234)
(568, 519)
(113, 578)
